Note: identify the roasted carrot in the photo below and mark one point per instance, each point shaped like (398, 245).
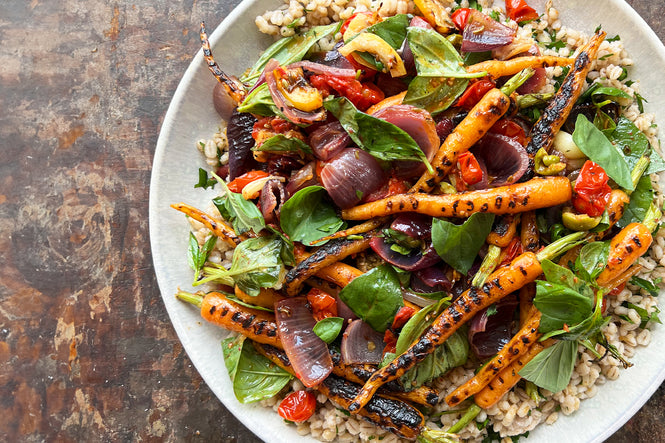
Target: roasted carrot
(266, 299)
(518, 344)
(233, 87)
(529, 233)
(218, 227)
(477, 122)
(388, 413)
(522, 270)
(324, 256)
(511, 199)
(387, 102)
(507, 378)
(625, 248)
(258, 325)
(557, 111)
(526, 296)
(504, 230)
(502, 68)
(355, 230)
(616, 206)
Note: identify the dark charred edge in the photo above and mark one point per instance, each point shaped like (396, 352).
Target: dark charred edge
(220, 75)
(390, 414)
(363, 372)
(502, 225)
(331, 252)
(274, 354)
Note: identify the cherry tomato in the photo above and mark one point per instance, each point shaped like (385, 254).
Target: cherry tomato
(510, 129)
(460, 17)
(402, 316)
(591, 190)
(239, 183)
(474, 93)
(297, 406)
(513, 249)
(393, 187)
(323, 304)
(362, 95)
(519, 11)
(390, 339)
(469, 168)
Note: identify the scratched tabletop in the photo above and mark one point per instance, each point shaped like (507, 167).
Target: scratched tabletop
(87, 351)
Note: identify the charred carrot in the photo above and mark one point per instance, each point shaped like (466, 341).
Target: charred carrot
(504, 230)
(625, 248)
(502, 68)
(526, 296)
(511, 199)
(517, 346)
(233, 87)
(529, 233)
(355, 230)
(507, 378)
(503, 281)
(557, 111)
(478, 121)
(218, 227)
(387, 102)
(258, 325)
(266, 299)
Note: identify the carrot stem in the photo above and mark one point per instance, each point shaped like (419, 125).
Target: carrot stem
(195, 299)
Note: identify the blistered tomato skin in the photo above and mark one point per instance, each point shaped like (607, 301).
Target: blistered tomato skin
(297, 406)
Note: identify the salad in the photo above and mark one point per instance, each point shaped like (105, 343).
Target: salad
(426, 216)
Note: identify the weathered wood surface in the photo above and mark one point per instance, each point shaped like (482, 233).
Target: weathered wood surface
(87, 351)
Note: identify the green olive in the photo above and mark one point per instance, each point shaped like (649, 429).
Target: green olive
(578, 222)
(545, 164)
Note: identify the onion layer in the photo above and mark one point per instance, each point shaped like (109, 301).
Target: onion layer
(361, 344)
(482, 33)
(307, 353)
(489, 333)
(505, 158)
(328, 140)
(350, 175)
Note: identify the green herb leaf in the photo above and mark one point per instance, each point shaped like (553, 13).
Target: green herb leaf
(259, 102)
(645, 316)
(282, 143)
(308, 216)
(197, 256)
(595, 145)
(204, 181)
(380, 138)
(329, 328)
(592, 260)
(640, 202)
(235, 299)
(375, 297)
(553, 367)
(254, 377)
(560, 305)
(392, 30)
(243, 214)
(447, 238)
(435, 56)
(634, 144)
(290, 49)
(434, 94)
(650, 287)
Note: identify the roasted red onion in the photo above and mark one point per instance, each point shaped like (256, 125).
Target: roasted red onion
(489, 333)
(271, 200)
(222, 101)
(419, 124)
(333, 58)
(361, 344)
(307, 353)
(303, 177)
(328, 140)
(319, 68)
(241, 142)
(431, 279)
(444, 126)
(350, 175)
(293, 114)
(413, 224)
(415, 260)
(419, 22)
(482, 33)
(505, 158)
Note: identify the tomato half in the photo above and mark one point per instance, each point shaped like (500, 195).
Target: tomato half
(469, 168)
(510, 129)
(519, 11)
(297, 406)
(460, 17)
(591, 190)
(362, 95)
(323, 305)
(474, 93)
(402, 316)
(240, 182)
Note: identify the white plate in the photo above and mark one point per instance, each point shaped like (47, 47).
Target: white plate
(236, 44)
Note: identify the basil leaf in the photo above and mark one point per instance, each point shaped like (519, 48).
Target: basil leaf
(434, 94)
(634, 144)
(595, 145)
(380, 138)
(553, 367)
(308, 216)
(640, 202)
(257, 378)
(243, 214)
(417, 324)
(560, 305)
(282, 143)
(197, 256)
(435, 56)
(645, 316)
(650, 287)
(257, 263)
(592, 260)
(447, 238)
(290, 49)
(329, 328)
(259, 102)
(231, 349)
(287, 253)
(204, 181)
(375, 297)
(392, 30)
(235, 299)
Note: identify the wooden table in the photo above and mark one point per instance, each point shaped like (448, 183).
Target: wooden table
(87, 351)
